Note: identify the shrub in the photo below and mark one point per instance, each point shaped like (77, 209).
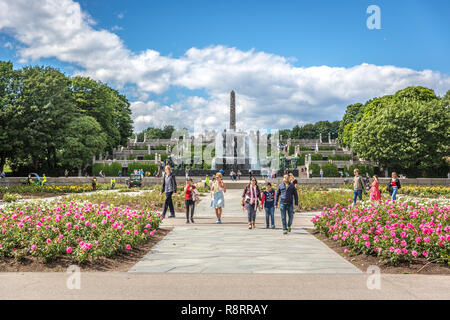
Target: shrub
(109, 170)
(362, 170)
(327, 148)
(149, 157)
(316, 157)
(315, 168)
(330, 170)
(11, 197)
(146, 166)
(339, 157)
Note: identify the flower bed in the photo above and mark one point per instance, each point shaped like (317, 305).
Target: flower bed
(51, 189)
(392, 231)
(80, 231)
(310, 200)
(415, 191)
(149, 199)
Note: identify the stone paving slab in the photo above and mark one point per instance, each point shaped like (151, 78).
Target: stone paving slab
(235, 249)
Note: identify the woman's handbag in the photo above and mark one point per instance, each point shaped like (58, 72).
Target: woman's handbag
(195, 196)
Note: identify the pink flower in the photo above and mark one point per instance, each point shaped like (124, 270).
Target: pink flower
(69, 249)
(425, 253)
(414, 253)
(367, 244)
(418, 239)
(426, 239)
(33, 247)
(128, 247)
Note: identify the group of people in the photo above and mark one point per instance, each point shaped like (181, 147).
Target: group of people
(360, 185)
(253, 199)
(284, 198)
(234, 176)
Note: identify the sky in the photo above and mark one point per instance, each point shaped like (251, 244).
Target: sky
(290, 62)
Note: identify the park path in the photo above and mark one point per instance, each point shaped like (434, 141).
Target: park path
(207, 247)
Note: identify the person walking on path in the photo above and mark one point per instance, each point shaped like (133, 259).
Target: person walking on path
(293, 180)
(44, 179)
(268, 201)
(94, 184)
(287, 195)
(239, 174)
(251, 198)
(113, 183)
(218, 200)
(66, 173)
(189, 199)
(393, 186)
(375, 190)
(321, 173)
(358, 186)
(169, 187)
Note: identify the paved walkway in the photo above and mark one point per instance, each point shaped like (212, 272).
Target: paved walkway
(206, 247)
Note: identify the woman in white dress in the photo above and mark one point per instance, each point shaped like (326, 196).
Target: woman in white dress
(218, 200)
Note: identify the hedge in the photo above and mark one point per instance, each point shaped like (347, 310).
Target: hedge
(362, 170)
(145, 166)
(108, 170)
(330, 170)
(339, 157)
(315, 168)
(316, 157)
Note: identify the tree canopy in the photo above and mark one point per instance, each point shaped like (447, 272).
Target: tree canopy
(49, 120)
(408, 131)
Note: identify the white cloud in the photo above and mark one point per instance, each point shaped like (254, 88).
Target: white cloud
(271, 91)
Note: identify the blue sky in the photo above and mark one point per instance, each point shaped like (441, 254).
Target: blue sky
(414, 34)
(272, 49)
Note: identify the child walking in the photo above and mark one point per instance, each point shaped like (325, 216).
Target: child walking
(268, 200)
(189, 199)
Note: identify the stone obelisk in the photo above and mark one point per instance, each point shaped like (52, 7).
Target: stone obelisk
(232, 111)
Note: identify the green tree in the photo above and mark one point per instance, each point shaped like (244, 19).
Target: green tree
(352, 115)
(7, 96)
(406, 134)
(85, 138)
(43, 109)
(107, 106)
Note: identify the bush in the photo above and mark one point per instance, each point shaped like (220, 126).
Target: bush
(315, 168)
(316, 157)
(339, 157)
(326, 148)
(362, 170)
(11, 197)
(108, 170)
(149, 157)
(330, 170)
(146, 166)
